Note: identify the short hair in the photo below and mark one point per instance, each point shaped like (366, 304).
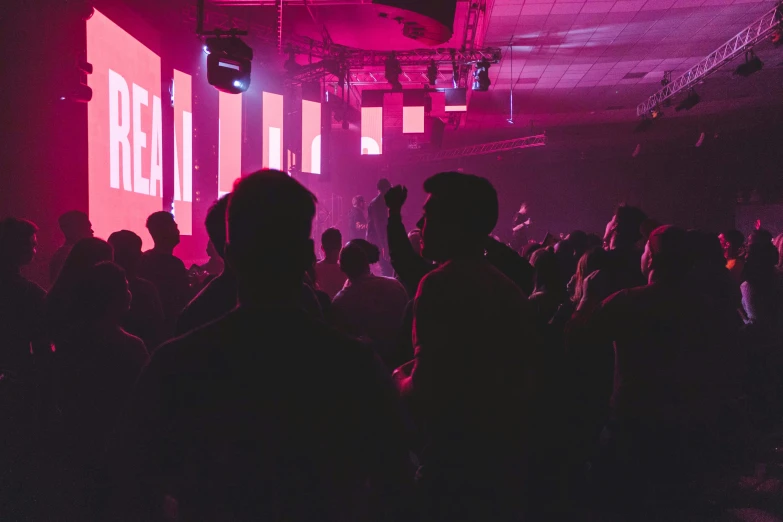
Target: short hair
(629, 220)
(332, 239)
(353, 260)
(71, 220)
(127, 248)
(102, 285)
(216, 224)
(372, 252)
(471, 199)
(383, 185)
(734, 238)
(15, 231)
(356, 199)
(671, 253)
(158, 220)
(269, 207)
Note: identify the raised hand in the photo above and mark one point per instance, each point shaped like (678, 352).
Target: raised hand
(395, 198)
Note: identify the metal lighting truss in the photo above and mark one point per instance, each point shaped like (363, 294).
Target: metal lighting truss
(539, 140)
(746, 38)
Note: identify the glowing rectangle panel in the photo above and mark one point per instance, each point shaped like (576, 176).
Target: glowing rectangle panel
(412, 120)
(311, 137)
(124, 131)
(183, 152)
(272, 123)
(372, 130)
(229, 141)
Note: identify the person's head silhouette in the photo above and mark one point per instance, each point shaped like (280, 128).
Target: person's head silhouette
(460, 212)
(353, 261)
(624, 229)
(18, 242)
(216, 224)
(164, 230)
(358, 202)
(84, 255)
(127, 250)
(383, 186)
(104, 295)
(331, 243)
(667, 254)
(75, 225)
(270, 218)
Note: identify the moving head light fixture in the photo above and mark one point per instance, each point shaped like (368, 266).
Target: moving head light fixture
(228, 63)
(228, 57)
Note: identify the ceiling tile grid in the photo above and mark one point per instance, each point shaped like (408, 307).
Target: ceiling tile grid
(578, 52)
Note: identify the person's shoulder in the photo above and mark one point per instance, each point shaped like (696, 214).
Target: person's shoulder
(34, 289)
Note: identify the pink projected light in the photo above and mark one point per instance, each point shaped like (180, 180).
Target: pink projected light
(372, 131)
(183, 147)
(229, 140)
(311, 137)
(124, 131)
(272, 123)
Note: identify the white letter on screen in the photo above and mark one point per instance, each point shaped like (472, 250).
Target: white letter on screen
(275, 154)
(119, 126)
(187, 156)
(315, 155)
(156, 149)
(140, 183)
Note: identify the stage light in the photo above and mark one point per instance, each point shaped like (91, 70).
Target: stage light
(432, 72)
(689, 102)
(206, 50)
(228, 64)
(481, 76)
(393, 69)
(752, 64)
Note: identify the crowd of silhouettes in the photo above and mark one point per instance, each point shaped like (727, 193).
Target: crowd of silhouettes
(471, 380)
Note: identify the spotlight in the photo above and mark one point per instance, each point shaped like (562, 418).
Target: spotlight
(206, 50)
(432, 72)
(228, 64)
(752, 64)
(656, 112)
(689, 102)
(481, 76)
(393, 69)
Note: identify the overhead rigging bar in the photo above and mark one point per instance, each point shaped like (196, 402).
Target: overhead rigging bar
(745, 39)
(539, 140)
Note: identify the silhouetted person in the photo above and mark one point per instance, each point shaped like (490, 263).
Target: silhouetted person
(328, 274)
(762, 292)
(145, 317)
(22, 330)
(676, 358)
(166, 271)
(733, 243)
(377, 218)
(357, 220)
(75, 225)
(220, 295)
(519, 228)
(97, 368)
(369, 306)
(62, 308)
(406, 260)
(265, 414)
(469, 371)
(621, 239)
(549, 289)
